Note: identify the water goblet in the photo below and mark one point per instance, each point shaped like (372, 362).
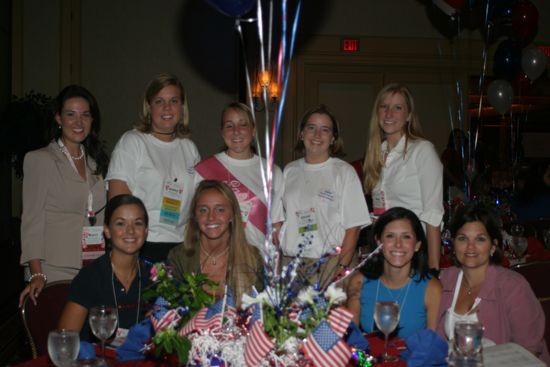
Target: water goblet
(386, 316)
(63, 347)
(103, 322)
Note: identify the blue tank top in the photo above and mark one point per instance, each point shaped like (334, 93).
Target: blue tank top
(411, 299)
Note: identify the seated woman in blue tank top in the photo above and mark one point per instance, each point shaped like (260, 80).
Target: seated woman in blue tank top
(399, 272)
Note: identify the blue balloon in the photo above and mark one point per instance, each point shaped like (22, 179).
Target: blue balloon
(502, 9)
(506, 63)
(232, 8)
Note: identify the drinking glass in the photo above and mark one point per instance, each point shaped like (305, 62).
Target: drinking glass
(103, 322)
(467, 338)
(63, 347)
(386, 316)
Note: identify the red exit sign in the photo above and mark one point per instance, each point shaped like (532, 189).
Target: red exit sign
(349, 44)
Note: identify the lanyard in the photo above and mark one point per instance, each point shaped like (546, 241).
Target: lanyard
(90, 214)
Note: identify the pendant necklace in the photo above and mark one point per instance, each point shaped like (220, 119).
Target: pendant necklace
(139, 288)
(214, 258)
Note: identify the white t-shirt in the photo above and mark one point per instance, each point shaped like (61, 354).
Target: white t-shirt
(146, 164)
(247, 172)
(414, 182)
(321, 201)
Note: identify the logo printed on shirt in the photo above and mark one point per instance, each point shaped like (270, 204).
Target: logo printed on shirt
(326, 194)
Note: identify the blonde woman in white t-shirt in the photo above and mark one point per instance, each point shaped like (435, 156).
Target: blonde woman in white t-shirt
(155, 162)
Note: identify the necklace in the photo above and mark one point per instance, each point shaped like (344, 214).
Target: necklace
(139, 287)
(214, 258)
(467, 286)
(64, 150)
(391, 293)
(79, 157)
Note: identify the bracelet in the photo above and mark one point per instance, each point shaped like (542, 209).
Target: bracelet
(42, 275)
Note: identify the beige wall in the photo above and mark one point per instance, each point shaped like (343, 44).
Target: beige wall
(125, 42)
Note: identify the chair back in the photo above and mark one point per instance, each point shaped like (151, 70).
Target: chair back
(536, 273)
(545, 303)
(39, 320)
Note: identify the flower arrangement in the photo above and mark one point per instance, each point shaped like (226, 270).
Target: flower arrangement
(176, 303)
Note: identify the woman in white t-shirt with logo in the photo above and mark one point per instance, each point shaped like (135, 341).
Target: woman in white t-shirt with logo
(239, 167)
(401, 167)
(323, 200)
(155, 162)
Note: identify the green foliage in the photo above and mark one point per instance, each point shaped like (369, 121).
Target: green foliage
(189, 294)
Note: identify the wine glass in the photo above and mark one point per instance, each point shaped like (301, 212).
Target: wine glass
(63, 347)
(386, 316)
(103, 322)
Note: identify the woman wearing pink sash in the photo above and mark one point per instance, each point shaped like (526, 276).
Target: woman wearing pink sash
(239, 167)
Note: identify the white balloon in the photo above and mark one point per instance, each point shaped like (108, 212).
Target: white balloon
(533, 62)
(500, 95)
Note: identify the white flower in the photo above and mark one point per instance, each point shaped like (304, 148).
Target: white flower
(307, 295)
(335, 294)
(247, 300)
(291, 345)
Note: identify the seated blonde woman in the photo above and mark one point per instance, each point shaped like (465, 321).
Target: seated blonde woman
(215, 242)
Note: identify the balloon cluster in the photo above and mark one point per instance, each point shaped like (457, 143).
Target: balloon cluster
(515, 66)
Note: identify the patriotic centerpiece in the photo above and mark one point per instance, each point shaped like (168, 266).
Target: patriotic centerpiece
(309, 331)
(177, 305)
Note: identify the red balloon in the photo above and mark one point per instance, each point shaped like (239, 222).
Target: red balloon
(457, 4)
(525, 18)
(522, 84)
(449, 7)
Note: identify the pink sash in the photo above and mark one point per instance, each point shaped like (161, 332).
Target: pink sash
(212, 169)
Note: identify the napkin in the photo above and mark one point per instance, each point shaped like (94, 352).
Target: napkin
(138, 336)
(425, 348)
(87, 350)
(355, 337)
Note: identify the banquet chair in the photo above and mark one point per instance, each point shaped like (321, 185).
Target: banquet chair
(39, 320)
(545, 303)
(536, 274)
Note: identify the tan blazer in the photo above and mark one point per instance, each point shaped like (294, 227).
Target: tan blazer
(55, 200)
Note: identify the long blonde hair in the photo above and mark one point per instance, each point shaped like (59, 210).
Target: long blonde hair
(159, 82)
(243, 260)
(372, 166)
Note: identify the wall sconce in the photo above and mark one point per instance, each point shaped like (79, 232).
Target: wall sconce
(264, 84)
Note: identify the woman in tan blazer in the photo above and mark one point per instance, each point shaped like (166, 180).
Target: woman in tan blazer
(64, 194)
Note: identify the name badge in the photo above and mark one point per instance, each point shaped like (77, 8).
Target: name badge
(245, 210)
(307, 222)
(170, 209)
(120, 337)
(93, 243)
(378, 203)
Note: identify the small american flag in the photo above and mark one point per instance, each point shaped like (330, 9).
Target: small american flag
(325, 348)
(339, 319)
(171, 317)
(211, 317)
(258, 344)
